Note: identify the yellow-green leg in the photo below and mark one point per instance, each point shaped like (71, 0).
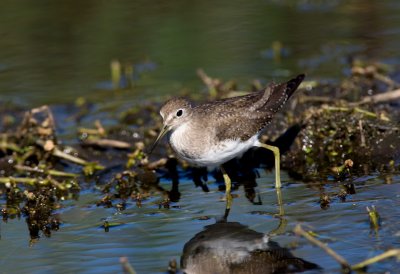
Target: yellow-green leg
(282, 221)
(281, 215)
(228, 186)
(277, 156)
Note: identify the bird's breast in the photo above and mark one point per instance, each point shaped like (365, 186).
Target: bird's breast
(201, 147)
(188, 142)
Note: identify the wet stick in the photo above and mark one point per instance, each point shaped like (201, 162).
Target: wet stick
(30, 181)
(345, 265)
(342, 261)
(108, 143)
(382, 97)
(126, 266)
(58, 153)
(383, 256)
(45, 171)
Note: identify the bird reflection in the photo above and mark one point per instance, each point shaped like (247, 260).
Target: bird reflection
(230, 247)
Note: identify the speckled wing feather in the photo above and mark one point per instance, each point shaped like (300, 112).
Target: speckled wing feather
(244, 116)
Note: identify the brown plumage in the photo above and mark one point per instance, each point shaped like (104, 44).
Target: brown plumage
(211, 133)
(243, 116)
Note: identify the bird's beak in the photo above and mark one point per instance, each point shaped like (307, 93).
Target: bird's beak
(163, 131)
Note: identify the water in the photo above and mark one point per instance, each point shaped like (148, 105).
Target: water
(150, 237)
(52, 52)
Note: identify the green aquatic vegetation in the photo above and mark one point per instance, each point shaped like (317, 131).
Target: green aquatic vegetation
(334, 135)
(90, 168)
(31, 171)
(137, 156)
(374, 218)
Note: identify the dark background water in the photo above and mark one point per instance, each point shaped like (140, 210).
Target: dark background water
(54, 51)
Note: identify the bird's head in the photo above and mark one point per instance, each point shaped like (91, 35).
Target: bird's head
(174, 112)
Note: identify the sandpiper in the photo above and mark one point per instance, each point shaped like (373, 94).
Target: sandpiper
(213, 133)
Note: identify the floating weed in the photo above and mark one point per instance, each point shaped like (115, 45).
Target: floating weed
(374, 218)
(90, 168)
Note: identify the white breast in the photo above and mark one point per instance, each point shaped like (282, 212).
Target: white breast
(225, 151)
(202, 150)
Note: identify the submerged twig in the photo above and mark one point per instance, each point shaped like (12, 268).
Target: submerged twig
(90, 131)
(23, 180)
(351, 109)
(345, 265)
(11, 146)
(156, 164)
(380, 98)
(99, 127)
(362, 136)
(383, 256)
(99, 130)
(46, 171)
(377, 98)
(47, 126)
(57, 184)
(89, 167)
(108, 143)
(126, 266)
(211, 83)
(372, 71)
(32, 181)
(60, 154)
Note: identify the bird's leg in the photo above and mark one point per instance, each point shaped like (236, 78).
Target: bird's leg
(282, 221)
(228, 185)
(280, 202)
(275, 150)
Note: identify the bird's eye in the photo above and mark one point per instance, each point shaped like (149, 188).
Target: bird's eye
(179, 113)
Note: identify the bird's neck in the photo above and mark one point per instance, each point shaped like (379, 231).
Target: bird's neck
(183, 141)
(180, 133)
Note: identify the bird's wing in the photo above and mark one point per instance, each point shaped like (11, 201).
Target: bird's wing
(226, 117)
(244, 116)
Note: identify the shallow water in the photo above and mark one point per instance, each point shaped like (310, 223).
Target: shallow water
(150, 236)
(54, 52)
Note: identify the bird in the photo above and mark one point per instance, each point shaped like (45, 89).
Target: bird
(212, 133)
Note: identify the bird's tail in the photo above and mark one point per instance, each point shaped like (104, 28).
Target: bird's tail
(276, 95)
(293, 84)
(279, 94)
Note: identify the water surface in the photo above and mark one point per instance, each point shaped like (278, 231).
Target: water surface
(52, 52)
